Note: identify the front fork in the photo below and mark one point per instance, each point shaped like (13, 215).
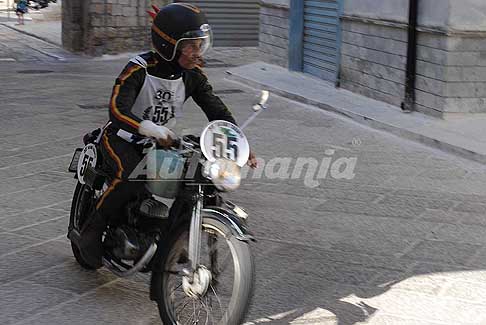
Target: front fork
(195, 231)
(197, 280)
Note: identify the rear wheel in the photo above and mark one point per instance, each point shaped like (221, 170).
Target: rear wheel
(229, 265)
(81, 206)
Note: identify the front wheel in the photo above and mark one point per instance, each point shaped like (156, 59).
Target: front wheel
(229, 264)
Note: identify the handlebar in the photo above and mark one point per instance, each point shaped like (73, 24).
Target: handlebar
(186, 142)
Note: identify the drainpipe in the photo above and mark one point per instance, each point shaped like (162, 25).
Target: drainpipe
(408, 105)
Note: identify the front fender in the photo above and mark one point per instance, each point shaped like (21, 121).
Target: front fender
(237, 226)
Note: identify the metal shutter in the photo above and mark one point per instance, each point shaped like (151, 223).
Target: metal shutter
(234, 23)
(321, 38)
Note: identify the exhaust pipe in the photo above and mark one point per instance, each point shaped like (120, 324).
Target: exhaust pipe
(117, 270)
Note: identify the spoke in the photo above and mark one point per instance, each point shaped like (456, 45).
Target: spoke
(219, 301)
(175, 289)
(177, 307)
(196, 320)
(207, 316)
(193, 311)
(218, 255)
(208, 312)
(198, 314)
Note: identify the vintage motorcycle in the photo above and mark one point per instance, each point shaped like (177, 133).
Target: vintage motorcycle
(198, 250)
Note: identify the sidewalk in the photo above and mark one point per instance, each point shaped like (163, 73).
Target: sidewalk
(45, 24)
(465, 137)
(49, 31)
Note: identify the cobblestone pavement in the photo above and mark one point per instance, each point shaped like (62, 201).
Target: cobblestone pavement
(400, 243)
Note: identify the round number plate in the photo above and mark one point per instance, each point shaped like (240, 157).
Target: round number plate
(222, 139)
(87, 158)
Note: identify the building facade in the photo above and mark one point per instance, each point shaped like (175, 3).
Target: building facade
(97, 27)
(361, 45)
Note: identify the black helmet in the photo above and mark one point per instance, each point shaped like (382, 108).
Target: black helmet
(177, 22)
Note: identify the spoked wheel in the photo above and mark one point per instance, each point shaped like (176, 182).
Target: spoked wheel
(82, 204)
(220, 290)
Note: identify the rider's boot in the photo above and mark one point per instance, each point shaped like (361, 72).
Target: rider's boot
(91, 245)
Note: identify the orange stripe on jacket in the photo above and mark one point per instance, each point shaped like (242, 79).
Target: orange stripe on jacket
(119, 172)
(116, 90)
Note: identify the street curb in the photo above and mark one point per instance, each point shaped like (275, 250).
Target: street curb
(366, 120)
(32, 35)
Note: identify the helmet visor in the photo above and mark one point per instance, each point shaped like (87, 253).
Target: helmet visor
(195, 42)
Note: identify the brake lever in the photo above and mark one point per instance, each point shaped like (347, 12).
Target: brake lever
(257, 108)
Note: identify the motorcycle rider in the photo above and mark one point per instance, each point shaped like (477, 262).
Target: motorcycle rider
(147, 99)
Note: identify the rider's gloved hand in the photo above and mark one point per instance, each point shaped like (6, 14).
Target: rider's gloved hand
(161, 133)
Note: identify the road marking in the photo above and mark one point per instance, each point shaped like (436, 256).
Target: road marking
(34, 188)
(39, 243)
(268, 319)
(8, 60)
(39, 208)
(37, 223)
(36, 161)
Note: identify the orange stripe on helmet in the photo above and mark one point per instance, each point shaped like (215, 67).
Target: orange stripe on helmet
(163, 35)
(189, 6)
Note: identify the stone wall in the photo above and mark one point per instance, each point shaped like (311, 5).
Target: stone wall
(451, 60)
(73, 25)
(433, 13)
(98, 27)
(274, 31)
(373, 60)
(451, 72)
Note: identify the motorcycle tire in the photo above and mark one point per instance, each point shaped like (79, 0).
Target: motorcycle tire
(242, 289)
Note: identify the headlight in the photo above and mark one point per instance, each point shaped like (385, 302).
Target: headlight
(225, 174)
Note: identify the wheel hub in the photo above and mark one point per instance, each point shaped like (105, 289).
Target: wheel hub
(197, 285)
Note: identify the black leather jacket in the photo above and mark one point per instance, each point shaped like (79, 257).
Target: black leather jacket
(130, 81)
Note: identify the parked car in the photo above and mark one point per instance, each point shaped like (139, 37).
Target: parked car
(38, 4)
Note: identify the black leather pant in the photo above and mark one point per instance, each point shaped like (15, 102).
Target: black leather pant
(120, 158)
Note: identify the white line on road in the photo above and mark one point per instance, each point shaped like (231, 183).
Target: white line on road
(44, 143)
(38, 208)
(31, 246)
(36, 161)
(34, 274)
(37, 223)
(268, 319)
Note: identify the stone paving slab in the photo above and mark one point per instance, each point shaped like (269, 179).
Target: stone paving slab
(105, 305)
(70, 277)
(26, 299)
(38, 257)
(27, 219)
